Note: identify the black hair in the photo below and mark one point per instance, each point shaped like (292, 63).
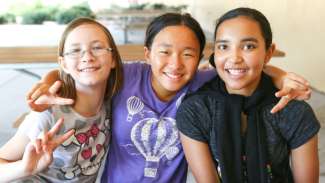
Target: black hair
(249, 13)
(252, 14)
(173, 19)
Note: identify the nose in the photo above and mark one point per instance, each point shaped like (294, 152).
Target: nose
(87, 56)
(176, 61)
(235, 56)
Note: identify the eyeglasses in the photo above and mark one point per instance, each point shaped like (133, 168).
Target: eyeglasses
(95, 51)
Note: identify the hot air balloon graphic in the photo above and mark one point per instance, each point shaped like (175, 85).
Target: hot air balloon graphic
(134, 105)
(154, 139)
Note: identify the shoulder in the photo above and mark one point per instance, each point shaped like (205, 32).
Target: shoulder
(204, 101)
(134, 66)
(201, 77)
(297, 123)
(134, 70)
(297, 110)
(36, 122)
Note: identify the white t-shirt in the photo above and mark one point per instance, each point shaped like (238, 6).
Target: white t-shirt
(79, 158)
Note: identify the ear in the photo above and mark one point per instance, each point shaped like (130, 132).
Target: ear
(147, 54)
(62, 64)
(269, 53)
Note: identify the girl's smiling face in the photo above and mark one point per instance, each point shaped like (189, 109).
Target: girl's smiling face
(174, 57)
(240, 54)
(89, 69)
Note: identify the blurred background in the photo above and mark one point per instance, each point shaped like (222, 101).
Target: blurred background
(298, 28)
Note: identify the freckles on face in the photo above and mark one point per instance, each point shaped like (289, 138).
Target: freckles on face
(240, 54)
(174, 57)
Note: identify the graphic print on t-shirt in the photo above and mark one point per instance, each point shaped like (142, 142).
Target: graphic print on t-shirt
(134, 106)
(153, 137)
(91, 146)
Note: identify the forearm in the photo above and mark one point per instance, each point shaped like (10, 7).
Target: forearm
(11, 171)
(51, 77)
(276, 74)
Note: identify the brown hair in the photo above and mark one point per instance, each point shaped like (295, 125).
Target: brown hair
(115, 80)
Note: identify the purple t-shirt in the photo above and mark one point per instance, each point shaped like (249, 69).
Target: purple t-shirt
(145, 145)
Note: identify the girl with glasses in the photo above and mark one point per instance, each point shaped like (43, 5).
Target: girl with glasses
(45, 149)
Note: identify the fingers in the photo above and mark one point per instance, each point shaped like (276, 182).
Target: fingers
(39, 91)
(55, 87)
(298, 78)
(55, 128)
(38, 145)
(63, 138)
(63, 101)
(281, 104)
(283, 92)
(32, 91)
(37, 107)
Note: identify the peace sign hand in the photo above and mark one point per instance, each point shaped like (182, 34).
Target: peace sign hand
(42, 95)
(38, 154)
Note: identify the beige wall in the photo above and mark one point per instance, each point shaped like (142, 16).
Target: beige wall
(298, 26)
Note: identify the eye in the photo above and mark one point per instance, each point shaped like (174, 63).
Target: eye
(188, 54)
(222, 47)
(249, 46)
(97, 48)
(163, 52)
(74, 51)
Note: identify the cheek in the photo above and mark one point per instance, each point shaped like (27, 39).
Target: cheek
(256, 63)
(220, 64)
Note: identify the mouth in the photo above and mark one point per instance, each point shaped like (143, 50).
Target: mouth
(236, 72)
(173, 75)
(88, 69)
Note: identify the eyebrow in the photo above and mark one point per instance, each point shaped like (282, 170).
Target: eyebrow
(249, 39)
(91, 43)
(169, 46)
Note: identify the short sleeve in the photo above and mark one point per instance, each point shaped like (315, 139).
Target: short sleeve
(193, 119)
(35, 123)
(300, 123)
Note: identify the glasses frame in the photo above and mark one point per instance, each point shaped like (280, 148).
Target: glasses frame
(81, 53)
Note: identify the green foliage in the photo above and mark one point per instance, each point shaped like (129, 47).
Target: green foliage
(67, 15)
(7, 18)
(39, 14)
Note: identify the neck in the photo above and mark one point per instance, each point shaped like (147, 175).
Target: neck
(163, 94)
(246, 90)
(89, 101)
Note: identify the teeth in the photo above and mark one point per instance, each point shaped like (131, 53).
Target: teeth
(90, 69)
(172, 75)
(236, 71)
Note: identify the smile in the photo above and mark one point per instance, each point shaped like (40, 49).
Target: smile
(88, 69)
(173, 75)
(237, 72)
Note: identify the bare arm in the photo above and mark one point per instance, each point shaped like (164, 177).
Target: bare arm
(200, 160)
(11, 153)
(305, 162)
